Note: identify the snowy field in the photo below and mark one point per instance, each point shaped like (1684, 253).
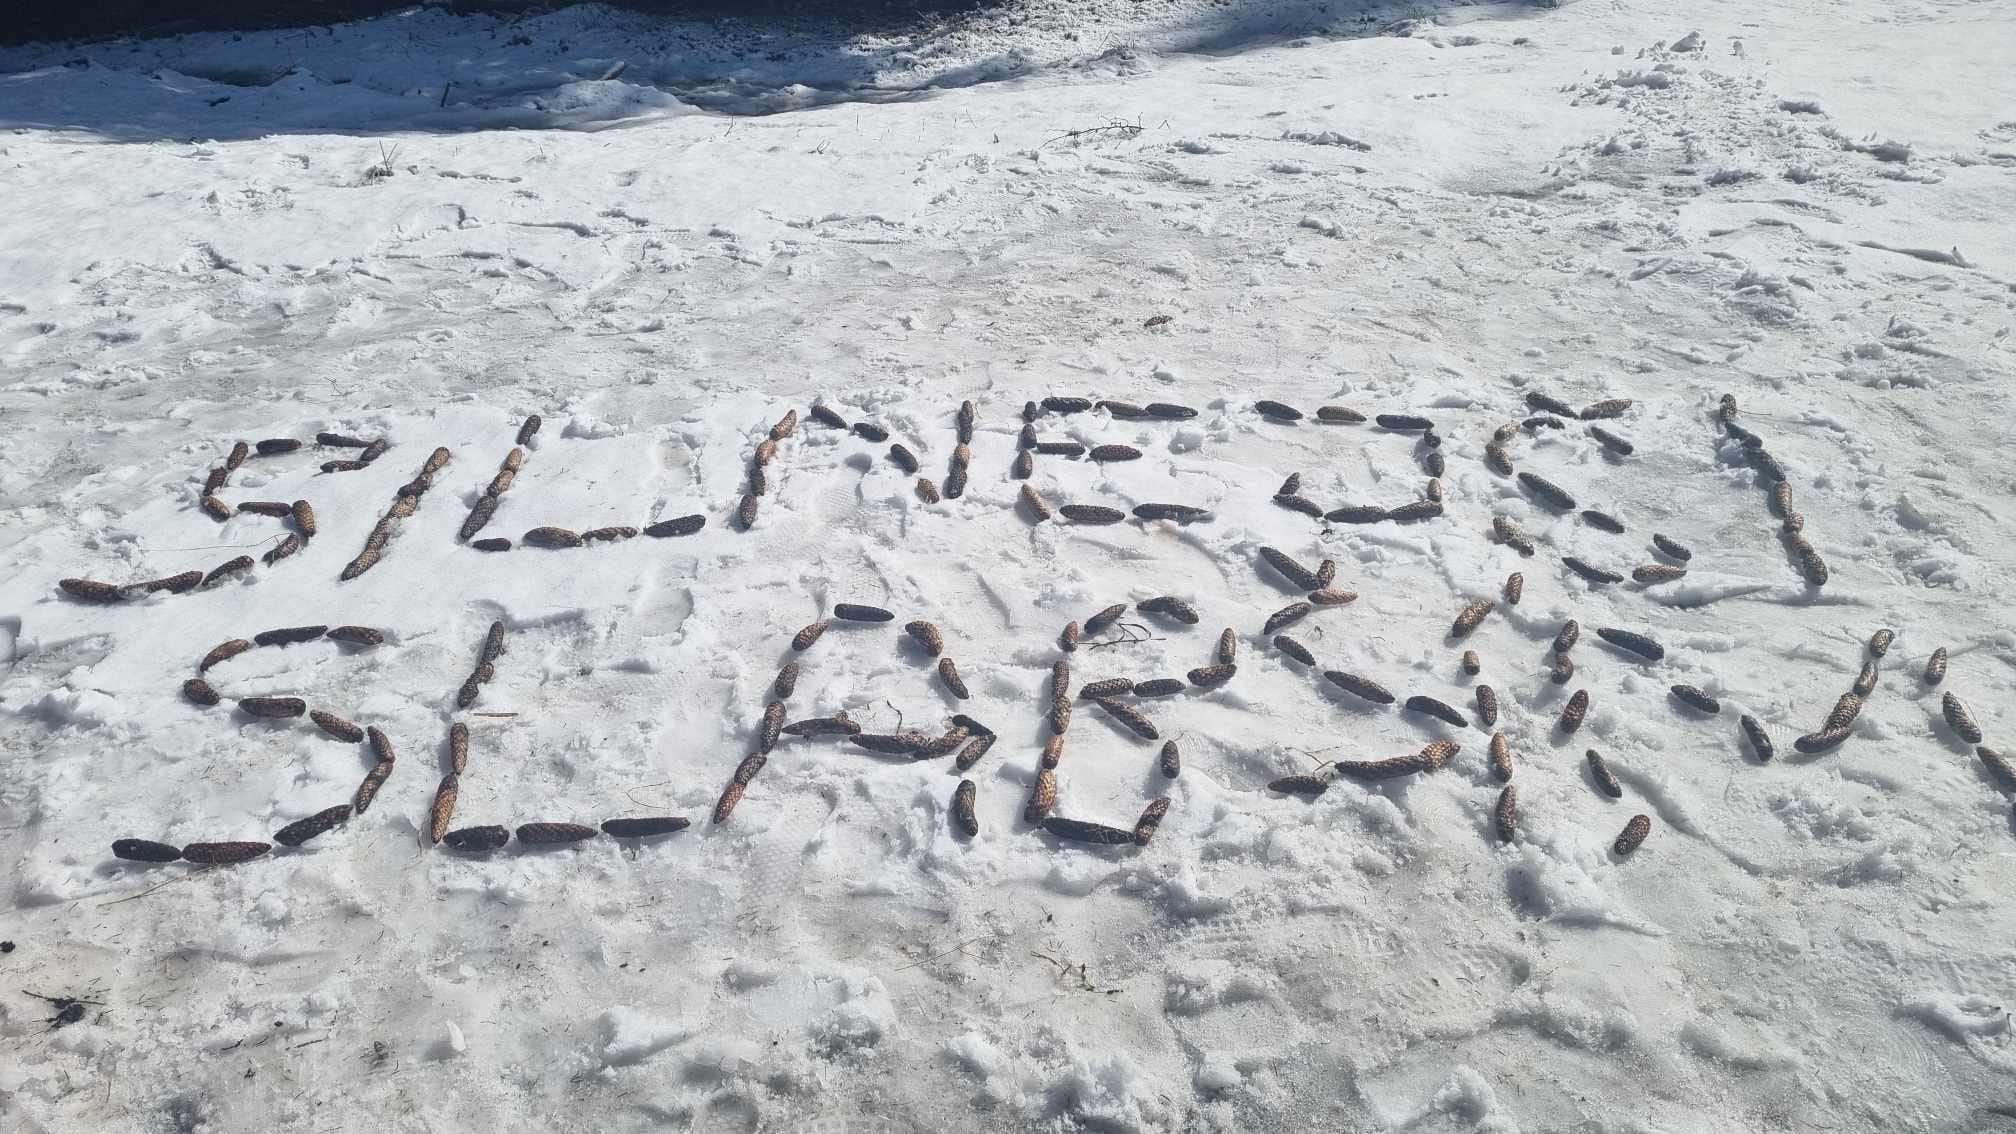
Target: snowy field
(661, 239)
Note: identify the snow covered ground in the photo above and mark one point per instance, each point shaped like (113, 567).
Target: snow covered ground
(661, 238)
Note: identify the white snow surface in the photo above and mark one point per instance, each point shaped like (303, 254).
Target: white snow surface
(662, 237)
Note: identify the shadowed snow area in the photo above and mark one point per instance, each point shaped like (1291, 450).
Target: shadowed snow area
(589, 65)
(661, 238)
